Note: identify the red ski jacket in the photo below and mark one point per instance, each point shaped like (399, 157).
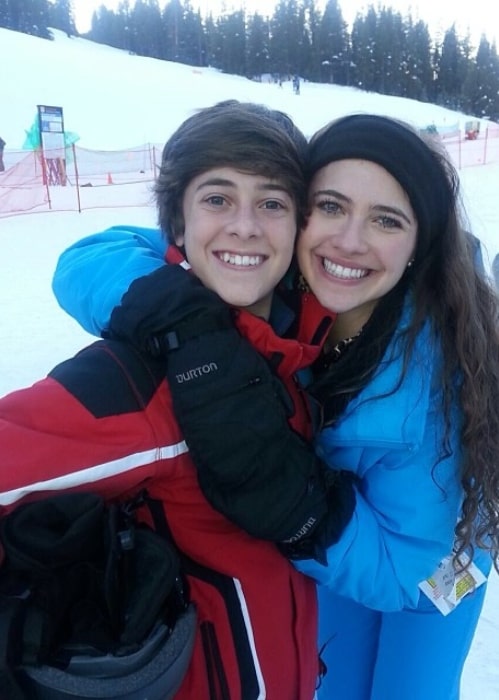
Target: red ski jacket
(103, 421)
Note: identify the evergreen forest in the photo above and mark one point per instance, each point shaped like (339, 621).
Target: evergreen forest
(383, 51)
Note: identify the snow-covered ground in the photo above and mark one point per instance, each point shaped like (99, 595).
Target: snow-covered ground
(113, 100)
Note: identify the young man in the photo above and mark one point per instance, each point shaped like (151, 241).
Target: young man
(231, 195)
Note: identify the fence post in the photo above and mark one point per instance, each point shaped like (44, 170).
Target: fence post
(39, 153)
(77, 179)
(485, 146)
(154, 161)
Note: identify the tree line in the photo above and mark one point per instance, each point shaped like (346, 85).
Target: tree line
(384, 51)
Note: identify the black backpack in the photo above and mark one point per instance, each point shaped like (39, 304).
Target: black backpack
(92, 604)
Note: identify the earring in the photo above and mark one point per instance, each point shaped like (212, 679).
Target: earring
(410, 263)
(302, 284)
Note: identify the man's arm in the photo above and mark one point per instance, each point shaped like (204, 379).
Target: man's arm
(233, 413)
(83, 426)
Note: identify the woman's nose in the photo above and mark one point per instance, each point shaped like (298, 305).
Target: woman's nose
(351, 236)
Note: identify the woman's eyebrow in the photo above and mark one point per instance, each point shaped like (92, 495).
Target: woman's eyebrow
(331, 193)
(393, 210)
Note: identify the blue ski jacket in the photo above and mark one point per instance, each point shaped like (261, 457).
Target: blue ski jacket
(409, 494)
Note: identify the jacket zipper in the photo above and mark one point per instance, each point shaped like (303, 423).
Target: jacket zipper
(217, 680)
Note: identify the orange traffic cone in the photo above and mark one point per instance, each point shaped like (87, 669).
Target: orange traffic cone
(109, 179)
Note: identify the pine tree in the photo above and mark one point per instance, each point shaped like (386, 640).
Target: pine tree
(110, 28)
(232, 28)
(313, 20)
(29, 17)
(5, 14)
(214, 46)
(173, 16)
(145, 18)
(363, 39)
(481, 87)
(289, 43)
(452, 70)
(389, 52)
(61, 16)
(194, 50)
(332, 45)
(257, 46)
(419, 76)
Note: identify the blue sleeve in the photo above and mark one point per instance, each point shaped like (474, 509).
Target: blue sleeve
(409, 493)
(92, 275)
(402, 527)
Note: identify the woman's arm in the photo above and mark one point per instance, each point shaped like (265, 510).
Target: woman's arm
(392, 543)
(93, 274)
(409, 493)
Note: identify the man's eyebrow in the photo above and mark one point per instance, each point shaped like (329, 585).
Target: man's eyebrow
(378, 207)
(217, 182)
(274, 186)
(224, 182)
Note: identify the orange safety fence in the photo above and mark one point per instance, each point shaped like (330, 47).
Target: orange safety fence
(75, 179)
(482, 149)
(21, 186)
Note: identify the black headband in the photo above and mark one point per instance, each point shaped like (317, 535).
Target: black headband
(401, 152)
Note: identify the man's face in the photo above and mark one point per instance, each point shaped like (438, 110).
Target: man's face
(239, 235)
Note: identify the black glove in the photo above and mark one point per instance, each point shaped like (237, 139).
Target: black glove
(170, 297)
(340, 494)
(233, 412)
(252, 466)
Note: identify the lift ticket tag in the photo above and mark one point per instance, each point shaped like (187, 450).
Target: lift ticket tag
(447, 587)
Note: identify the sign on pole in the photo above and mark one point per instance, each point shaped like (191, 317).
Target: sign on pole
(51, 125)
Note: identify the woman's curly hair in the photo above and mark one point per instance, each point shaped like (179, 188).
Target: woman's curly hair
(450, 287)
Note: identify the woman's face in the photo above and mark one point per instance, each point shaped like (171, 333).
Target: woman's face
(360, 236)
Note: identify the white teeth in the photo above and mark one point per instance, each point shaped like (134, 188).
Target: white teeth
(241, 260)
(346, 273)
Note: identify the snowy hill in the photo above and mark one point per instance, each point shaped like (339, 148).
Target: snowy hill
(114, 100)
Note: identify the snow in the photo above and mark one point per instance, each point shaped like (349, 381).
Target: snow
(114, 100)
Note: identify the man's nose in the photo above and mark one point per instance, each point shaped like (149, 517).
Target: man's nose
(245, 223)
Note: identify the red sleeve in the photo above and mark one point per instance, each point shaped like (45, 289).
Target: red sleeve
(89, 427)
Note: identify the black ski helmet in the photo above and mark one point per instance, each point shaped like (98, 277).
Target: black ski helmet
(154, 672)
(92, 604)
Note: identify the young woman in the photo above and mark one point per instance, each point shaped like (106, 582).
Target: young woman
(407, 383)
